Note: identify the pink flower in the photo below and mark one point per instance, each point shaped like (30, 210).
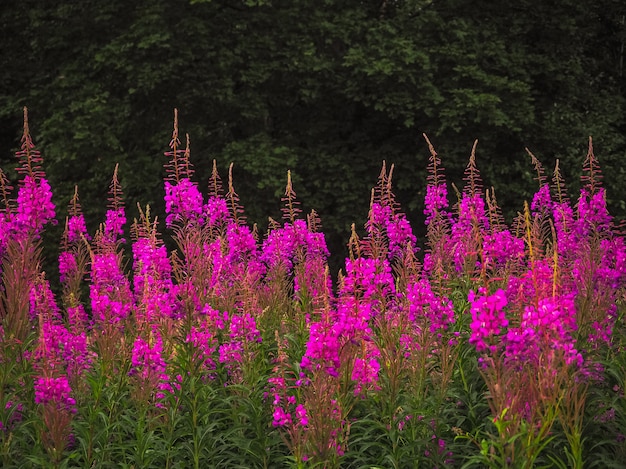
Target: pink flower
(111, 298)
(62, 347)
(204, 342)
(435, 201)
(114, 224)
(464, 242)
(67, 265)
(42, 303)
(216, 212)
(56, 391)
(424, 304)
(400, 235)
(230, 353)
(365, 373)
(34, 206)
(243, 328)
(593, 215)
(147, 358)
(153, 285)
(488, 319)
(501, 247)
(322, 348)
(301, 415)
(149, 366)
(183, 202)
(281, 418)
(542, 200)
(76, 229)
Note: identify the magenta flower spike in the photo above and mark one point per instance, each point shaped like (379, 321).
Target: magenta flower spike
(34, 206)
(34, 200)
(593, 216)
(542, 200)
(73, 265)
(153, 286)
(42, 302)
(109, 291)
(7, 212)
(112, 231)
(76, 228)
(64, 350)
(203, 337)
(215, 212)
(435, 202)
(427, 309)
(149, 369)
(488, 320)
(183, 203)
(55, 391)
(502, 247)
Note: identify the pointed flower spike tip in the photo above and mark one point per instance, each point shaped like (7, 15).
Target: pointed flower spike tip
(26, 138)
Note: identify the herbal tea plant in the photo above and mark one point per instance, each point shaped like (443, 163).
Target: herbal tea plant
(499, 346)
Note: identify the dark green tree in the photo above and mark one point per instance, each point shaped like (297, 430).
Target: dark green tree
(327, 89)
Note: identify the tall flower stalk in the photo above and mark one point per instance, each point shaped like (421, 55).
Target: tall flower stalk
(23, 222)
(109, 290)
(73, 266)
(58, 356)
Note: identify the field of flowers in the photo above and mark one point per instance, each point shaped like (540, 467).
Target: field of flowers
(498, 346)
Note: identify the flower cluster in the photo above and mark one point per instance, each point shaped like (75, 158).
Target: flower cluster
(502, 247)
(42, 304)
(365, 371)
(424, 304)
(400, 235)
(150, 368)
(488, 319)
(183, 202)
(593, 216)
(204, 342)
(394, 227)
(215, 212)
(114, 224)
(61, 348)
(553, 322)
(332, 340)
(283, 245)
(465, 240)
(34, 206)
(77, 229)
(296, 251)
(286, 410)
(152, 281)
(242, 248)
(243, 333)
(435, 202)
(322, 349)
(55, 391)
(67, 265)
(542, 200)
(109, 290)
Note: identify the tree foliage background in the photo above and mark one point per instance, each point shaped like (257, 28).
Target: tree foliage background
(325, 88)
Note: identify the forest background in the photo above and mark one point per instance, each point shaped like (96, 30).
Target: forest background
(324, 88)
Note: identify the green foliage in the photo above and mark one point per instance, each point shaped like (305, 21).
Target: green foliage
(324, 89)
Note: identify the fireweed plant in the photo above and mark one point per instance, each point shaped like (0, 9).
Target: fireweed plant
(500, 345)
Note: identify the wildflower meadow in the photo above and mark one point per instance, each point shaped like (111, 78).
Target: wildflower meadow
(498, 345)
